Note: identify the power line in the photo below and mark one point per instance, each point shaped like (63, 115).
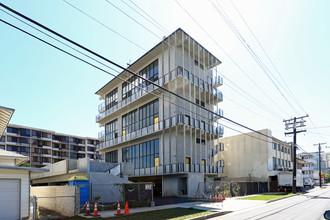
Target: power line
(236, 64)
(115, 64)
(240, 37)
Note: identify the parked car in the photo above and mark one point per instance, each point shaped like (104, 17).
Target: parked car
(308, 182)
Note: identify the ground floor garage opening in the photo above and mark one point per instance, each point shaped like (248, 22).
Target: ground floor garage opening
(9, 199)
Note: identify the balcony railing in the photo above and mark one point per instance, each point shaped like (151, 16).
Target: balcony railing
(218, 80)
(101, 135)
(163, 124)
(313, 161)
(128, 100)
(101, 107)
(307, 168)
(177, 168)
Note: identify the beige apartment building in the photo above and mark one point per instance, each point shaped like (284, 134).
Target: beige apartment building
(170, 142)
(45, 147)
(255, 157)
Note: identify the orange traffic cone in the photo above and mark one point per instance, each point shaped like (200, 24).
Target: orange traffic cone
(118, 209)
(203, 196)
(95, 209)
(224, 197)
(210, 198)
(220, 198)
(216, 198)
(87, 209)
(126, 209)
(195, 196)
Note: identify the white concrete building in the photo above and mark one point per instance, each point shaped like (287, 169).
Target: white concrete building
(171, 142)
(308, 168)
(255, 157)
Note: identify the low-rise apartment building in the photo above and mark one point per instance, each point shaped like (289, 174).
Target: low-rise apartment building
(255, 157)
(45, 147)
(170, 141)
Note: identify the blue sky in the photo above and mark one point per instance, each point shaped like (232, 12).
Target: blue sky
(51, 90)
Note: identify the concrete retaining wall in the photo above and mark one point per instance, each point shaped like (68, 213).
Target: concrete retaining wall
(62, 199)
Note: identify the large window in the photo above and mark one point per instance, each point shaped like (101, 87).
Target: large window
(111, 130)
(130, 122)
(149, 114)
(111, 157)
(142, 155)
(134, 83)
(131, 155)
(140, 118)
(111, 99)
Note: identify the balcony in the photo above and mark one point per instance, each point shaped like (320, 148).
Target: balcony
(217, 81)
(313, 161)
(217, 114)
(308, 175)
(196, 81)
(145, 92)
(178, 168)
(101, 135)
(164, 124)
(101, 107)
(46, 147)
(307, 168)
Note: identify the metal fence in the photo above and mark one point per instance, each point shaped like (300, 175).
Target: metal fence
(136, 194)
(230, 189)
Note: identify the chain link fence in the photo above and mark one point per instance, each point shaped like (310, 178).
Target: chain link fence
(136, 194)
(230, 188)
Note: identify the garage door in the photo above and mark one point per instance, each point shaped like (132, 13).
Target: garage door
(9, 199)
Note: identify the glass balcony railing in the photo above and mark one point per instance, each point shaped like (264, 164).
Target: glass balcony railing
(101, 107)
(101, 135)
(163, 124)
(218, 80)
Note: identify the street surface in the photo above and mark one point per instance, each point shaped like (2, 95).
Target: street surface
(308, 206)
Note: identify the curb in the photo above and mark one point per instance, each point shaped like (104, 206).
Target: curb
(274, 200)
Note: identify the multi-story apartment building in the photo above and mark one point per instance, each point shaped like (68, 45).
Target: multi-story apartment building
(45, 147)
(308, 169)
(171, 142)
(255, 157)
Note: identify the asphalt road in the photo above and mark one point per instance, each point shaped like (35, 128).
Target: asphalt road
(308, 206)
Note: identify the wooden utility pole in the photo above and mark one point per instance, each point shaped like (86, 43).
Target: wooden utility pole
(319, 144)
(294, 124)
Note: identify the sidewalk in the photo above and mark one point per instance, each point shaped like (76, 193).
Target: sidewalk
(230, 204)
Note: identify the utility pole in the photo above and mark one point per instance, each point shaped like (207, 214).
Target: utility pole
(319, 144)
(294, 124)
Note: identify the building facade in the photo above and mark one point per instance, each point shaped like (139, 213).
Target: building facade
(170, 141)
(308, 169)
(45, 147)
(255, 157)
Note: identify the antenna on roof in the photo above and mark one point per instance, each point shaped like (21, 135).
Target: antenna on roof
(129, 63)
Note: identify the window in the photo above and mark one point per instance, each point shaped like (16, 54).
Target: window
(209, 80)
(274, 146)
(135, 83)
(285, 150)
(282, 162)
(130, 122)
(142, 155)
(278, 147)
(274, 162)
(203, 142)
(202, 103)
(197, 101)
(187, 160)
(286, 163)
(288, 150)
(111, 99)
(148, 113)
(201, 83)
(198, 140)
(111, 130)
(111, 157)
(289, 164)
(278, 161)
(282, 148)
(187, 120)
